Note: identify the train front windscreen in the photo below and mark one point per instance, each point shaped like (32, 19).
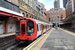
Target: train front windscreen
(18, 28)
(30, 28)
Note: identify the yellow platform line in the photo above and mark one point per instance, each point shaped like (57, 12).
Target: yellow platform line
(7, 35)
(68, 32)
(37, 41)
(42, 42)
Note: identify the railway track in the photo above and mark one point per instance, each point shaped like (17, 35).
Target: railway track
(3, 47)
(19, 46)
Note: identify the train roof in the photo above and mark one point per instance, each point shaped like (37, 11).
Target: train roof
(40, 22)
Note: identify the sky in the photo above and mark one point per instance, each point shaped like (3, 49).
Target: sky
(50, 3)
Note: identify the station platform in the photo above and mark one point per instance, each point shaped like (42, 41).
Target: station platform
(6, 35)
(60, 39)
(6, 40)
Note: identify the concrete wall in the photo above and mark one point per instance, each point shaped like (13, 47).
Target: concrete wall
(2, 27)
(11, 28)
(11, 25)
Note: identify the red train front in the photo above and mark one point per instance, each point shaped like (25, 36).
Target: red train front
(28, 29)
(25, 29)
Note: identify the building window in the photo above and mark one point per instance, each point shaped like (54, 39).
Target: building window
(45, 13)
(31, 4)
(26, 1)
(55, 13)
(52, 13)
(58, 13)
(49, 14)
(52, 18)
(23, 0)
(61, 12)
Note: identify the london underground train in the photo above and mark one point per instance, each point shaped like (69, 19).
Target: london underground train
(28, 29)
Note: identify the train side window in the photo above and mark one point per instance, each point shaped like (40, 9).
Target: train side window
(37, 28)
(40, 27)
(44, 26)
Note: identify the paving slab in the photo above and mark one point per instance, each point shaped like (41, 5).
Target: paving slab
(59, 40)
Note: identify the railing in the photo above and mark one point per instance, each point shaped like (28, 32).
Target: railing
(30, 10)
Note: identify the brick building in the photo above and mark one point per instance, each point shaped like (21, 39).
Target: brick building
(56, 15)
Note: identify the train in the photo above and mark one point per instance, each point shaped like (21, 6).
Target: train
(29, 29)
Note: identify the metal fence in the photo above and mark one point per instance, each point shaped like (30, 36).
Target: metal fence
(9, 6)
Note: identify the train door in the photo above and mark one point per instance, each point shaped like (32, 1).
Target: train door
(46, 28)
(23, 29)
(1, 28)
(42, 28)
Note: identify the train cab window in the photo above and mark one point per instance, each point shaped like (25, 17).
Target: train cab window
(23, 29)
(18, 28)
(30, 28)
(40, 27)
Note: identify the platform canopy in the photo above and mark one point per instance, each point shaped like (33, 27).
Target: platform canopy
(7, 12)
